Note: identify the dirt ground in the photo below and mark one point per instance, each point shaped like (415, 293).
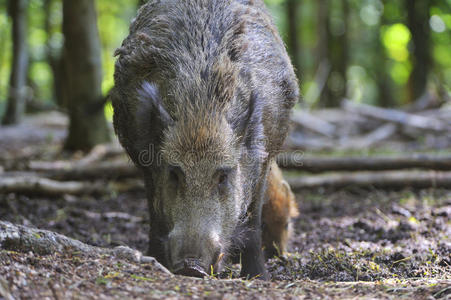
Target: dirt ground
(351, 243)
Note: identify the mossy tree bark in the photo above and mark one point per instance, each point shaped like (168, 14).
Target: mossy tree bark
(17, 9)
(43, 242)
(82, 59)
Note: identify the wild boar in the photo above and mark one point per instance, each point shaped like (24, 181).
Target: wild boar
(202, 96)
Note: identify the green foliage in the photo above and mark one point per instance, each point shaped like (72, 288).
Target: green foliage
(5, 55)
(41, 73)
(396, 38)
(400, 72)
(113, 20)
(441, 38)
(109, 111)
(277, 11)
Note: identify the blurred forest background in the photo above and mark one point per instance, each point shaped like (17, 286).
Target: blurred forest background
(368, 156)
(385, 53)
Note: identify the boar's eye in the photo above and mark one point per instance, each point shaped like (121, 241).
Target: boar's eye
(222, 176)
(175, 172)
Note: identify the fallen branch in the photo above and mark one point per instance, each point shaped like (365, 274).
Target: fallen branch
(31, 183)
(385, 179)
(346, 122)
(443, 114)
(318, 164)
(37, 185)
(298, 140)
(43, 242)
(99, 152)
(67, 171)
(124, 169)
(313, 123)
(378, 135)
(396, 116)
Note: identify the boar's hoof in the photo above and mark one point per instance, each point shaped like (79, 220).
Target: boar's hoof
(190, 267)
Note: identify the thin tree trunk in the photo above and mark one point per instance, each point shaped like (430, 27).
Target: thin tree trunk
(333, 48)
(383, 81)
(418, 23)
(82, 58)
(293, 34)
(17, 86)
(54, 58)
(322, 45)
(340, 60)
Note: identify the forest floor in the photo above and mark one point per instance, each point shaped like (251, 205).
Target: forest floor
(348, 243)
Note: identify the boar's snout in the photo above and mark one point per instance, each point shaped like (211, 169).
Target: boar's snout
(194, 254)
(190, 267)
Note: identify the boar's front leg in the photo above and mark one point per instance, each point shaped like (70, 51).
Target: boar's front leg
(157, 233)
(156, 247)
(252, 258)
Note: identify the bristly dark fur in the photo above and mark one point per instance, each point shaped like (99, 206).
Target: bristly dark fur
(206, 78)
(254, 137)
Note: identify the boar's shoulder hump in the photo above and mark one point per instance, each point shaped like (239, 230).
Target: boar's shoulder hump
(171, 38)
(209, 49)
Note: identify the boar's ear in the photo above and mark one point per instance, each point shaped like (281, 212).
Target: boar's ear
(254, 136)
(148, 94)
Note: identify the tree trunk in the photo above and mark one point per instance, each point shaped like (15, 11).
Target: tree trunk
(17, 85)
(293, 34)
(339, 55)
(382, 77)
(322, 46)
(54, 58)
(82, 58)
(333, 48)
(418, 23)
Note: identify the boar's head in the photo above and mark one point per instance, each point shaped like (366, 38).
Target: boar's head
(202, 180)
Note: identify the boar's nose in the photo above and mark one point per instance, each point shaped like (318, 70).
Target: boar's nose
(190, 267)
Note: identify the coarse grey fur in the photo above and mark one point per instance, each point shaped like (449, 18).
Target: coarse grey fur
(207, 86)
